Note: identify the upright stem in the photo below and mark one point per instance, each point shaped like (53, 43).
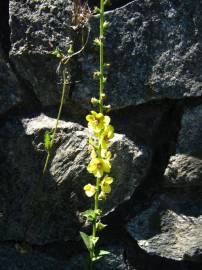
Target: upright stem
(101, 53)
(57, 121)
(96, 200)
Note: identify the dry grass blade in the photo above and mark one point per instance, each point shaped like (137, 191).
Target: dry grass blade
(80, 14)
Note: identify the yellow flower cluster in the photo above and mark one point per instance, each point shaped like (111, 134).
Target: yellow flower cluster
(100, 164)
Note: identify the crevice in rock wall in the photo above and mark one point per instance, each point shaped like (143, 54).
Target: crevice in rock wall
(4, 26)
(30, 102)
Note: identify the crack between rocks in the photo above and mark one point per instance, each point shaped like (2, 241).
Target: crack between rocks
(29, 103)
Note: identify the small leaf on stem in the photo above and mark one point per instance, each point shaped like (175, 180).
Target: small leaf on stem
(47, 140)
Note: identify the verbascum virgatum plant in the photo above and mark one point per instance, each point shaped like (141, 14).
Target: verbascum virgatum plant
(100, 134)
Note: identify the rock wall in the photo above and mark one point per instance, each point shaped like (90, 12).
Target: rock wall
(154, 213)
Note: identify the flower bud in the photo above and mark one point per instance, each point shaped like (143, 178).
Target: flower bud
(97, 42)
(108, 108)
(106, 24)
(94, 101)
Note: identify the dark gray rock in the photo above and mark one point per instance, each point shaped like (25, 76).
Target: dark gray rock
(189, 141)
(18, 258)
(34, 24)
(10, 91)
(41, 210)
(185, 168)
(154, 49)
(184, 171)
(171, 226)
(13, 259)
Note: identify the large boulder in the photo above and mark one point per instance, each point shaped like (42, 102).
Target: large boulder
(154, 49)
(171, 227)
(46, 209)
(185, 167)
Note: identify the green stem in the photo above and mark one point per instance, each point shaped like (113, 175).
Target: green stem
(101, 53)
(64, 87)
(96, 200)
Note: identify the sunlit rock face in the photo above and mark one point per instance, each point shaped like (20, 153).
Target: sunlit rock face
(42, 209)
(171, 226)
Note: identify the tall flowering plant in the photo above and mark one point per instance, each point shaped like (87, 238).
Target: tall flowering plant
(100, 134)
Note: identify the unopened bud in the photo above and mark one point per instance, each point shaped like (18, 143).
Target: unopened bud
(103, 96)
(94, 101)
(97, 41)
(106, 24)
(96, 10)
(107, 65)
(70, 50)
(108, 108)
(96, 74)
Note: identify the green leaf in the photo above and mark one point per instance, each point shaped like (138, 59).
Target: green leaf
(98, 254)
(104, 252)
(47, 140)
(86, 240)
(89, 240)
(91, 214)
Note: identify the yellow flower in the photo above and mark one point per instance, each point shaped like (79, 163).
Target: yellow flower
(98, 166)
(105, 184)
(97, 121)
(106, 135)
(93, 153)
(89, 190)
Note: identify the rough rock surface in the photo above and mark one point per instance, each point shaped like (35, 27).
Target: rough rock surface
(41, 210)
(185, 167)
(171, 227)
(10, 92)
(183, 170)
(154, 48)
(34, 25)
(11, 258)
